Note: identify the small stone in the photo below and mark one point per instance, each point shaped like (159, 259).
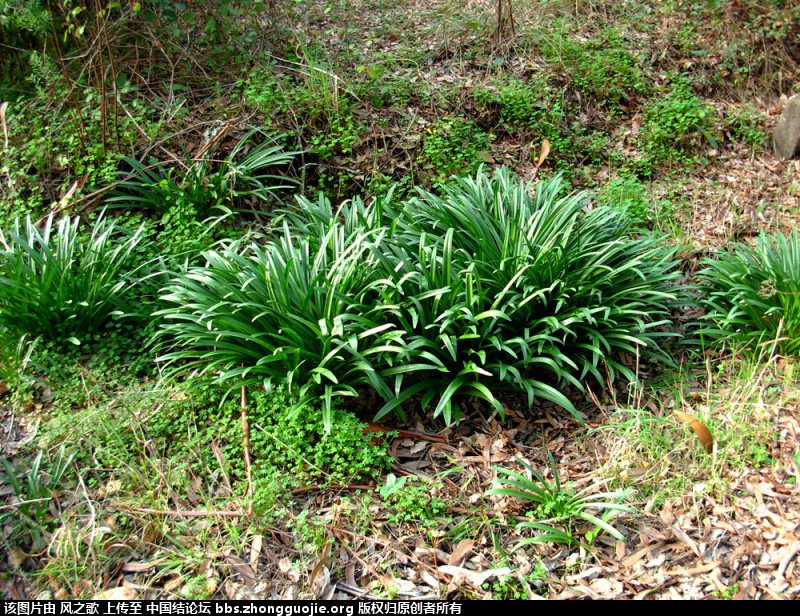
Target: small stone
(121, 593)
(786, 137)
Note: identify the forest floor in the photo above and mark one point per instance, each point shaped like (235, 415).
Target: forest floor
(411, 92)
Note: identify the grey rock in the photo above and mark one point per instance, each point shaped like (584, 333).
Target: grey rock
(787, 132)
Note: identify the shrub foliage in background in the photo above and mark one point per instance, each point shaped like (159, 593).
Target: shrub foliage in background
(63, 284)
(752, 293)
(482, 289)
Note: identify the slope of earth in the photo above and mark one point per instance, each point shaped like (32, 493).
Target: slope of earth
(663, 109)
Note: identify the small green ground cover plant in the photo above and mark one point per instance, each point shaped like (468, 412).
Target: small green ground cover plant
(746, 125)
(530, 105)
(675, 123)
(412, 501)
(315, 97)
(61, 143)
(202, 431)
(628, 195)
(634, 199)
(601, 67)
(292, 450)
(452, 145)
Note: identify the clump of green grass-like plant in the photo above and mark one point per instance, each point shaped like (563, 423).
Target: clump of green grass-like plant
(482, 289)
(61, 283)
(752, 294)
(558, 510)
(508, 290)
(247, 172)
(293, 313)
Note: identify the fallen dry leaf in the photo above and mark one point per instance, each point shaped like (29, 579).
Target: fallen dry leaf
(461, 551)
(543, 152)
(474, 578)
(255, 551)
(703, 433)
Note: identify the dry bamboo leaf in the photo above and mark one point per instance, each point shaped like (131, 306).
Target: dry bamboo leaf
(243, 569)
(543, 152)
(3, 108)
(692, 571)
(172, 584)
(319, 580)
(474, 578)
(140, 567)
(350, 574)
(703, 433)
(239, 592)
(255, 551)
(684, 538)
(121, 593)
(461, 551)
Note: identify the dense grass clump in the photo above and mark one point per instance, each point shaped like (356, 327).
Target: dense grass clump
(505, 290)
(204, 185)
(752, 294)
(482, 289)
(294, 312)
(61, 283)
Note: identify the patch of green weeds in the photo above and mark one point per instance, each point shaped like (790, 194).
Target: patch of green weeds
(589, 147)
(29, 517)
(745, 125)
(262, 89)
(674, 125)
(517, 587)
(16, 364)
(378, 184)
(452, 145)
(385, 83)
(310, 534)
(119, 438)
(558, 511)
(658, 453)
(288, 450)
(412, 500)
(728, 593)
(628, 195)
(59, 138)
(337, 139)
(601, 68)
(315, 97)
(531, 105)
